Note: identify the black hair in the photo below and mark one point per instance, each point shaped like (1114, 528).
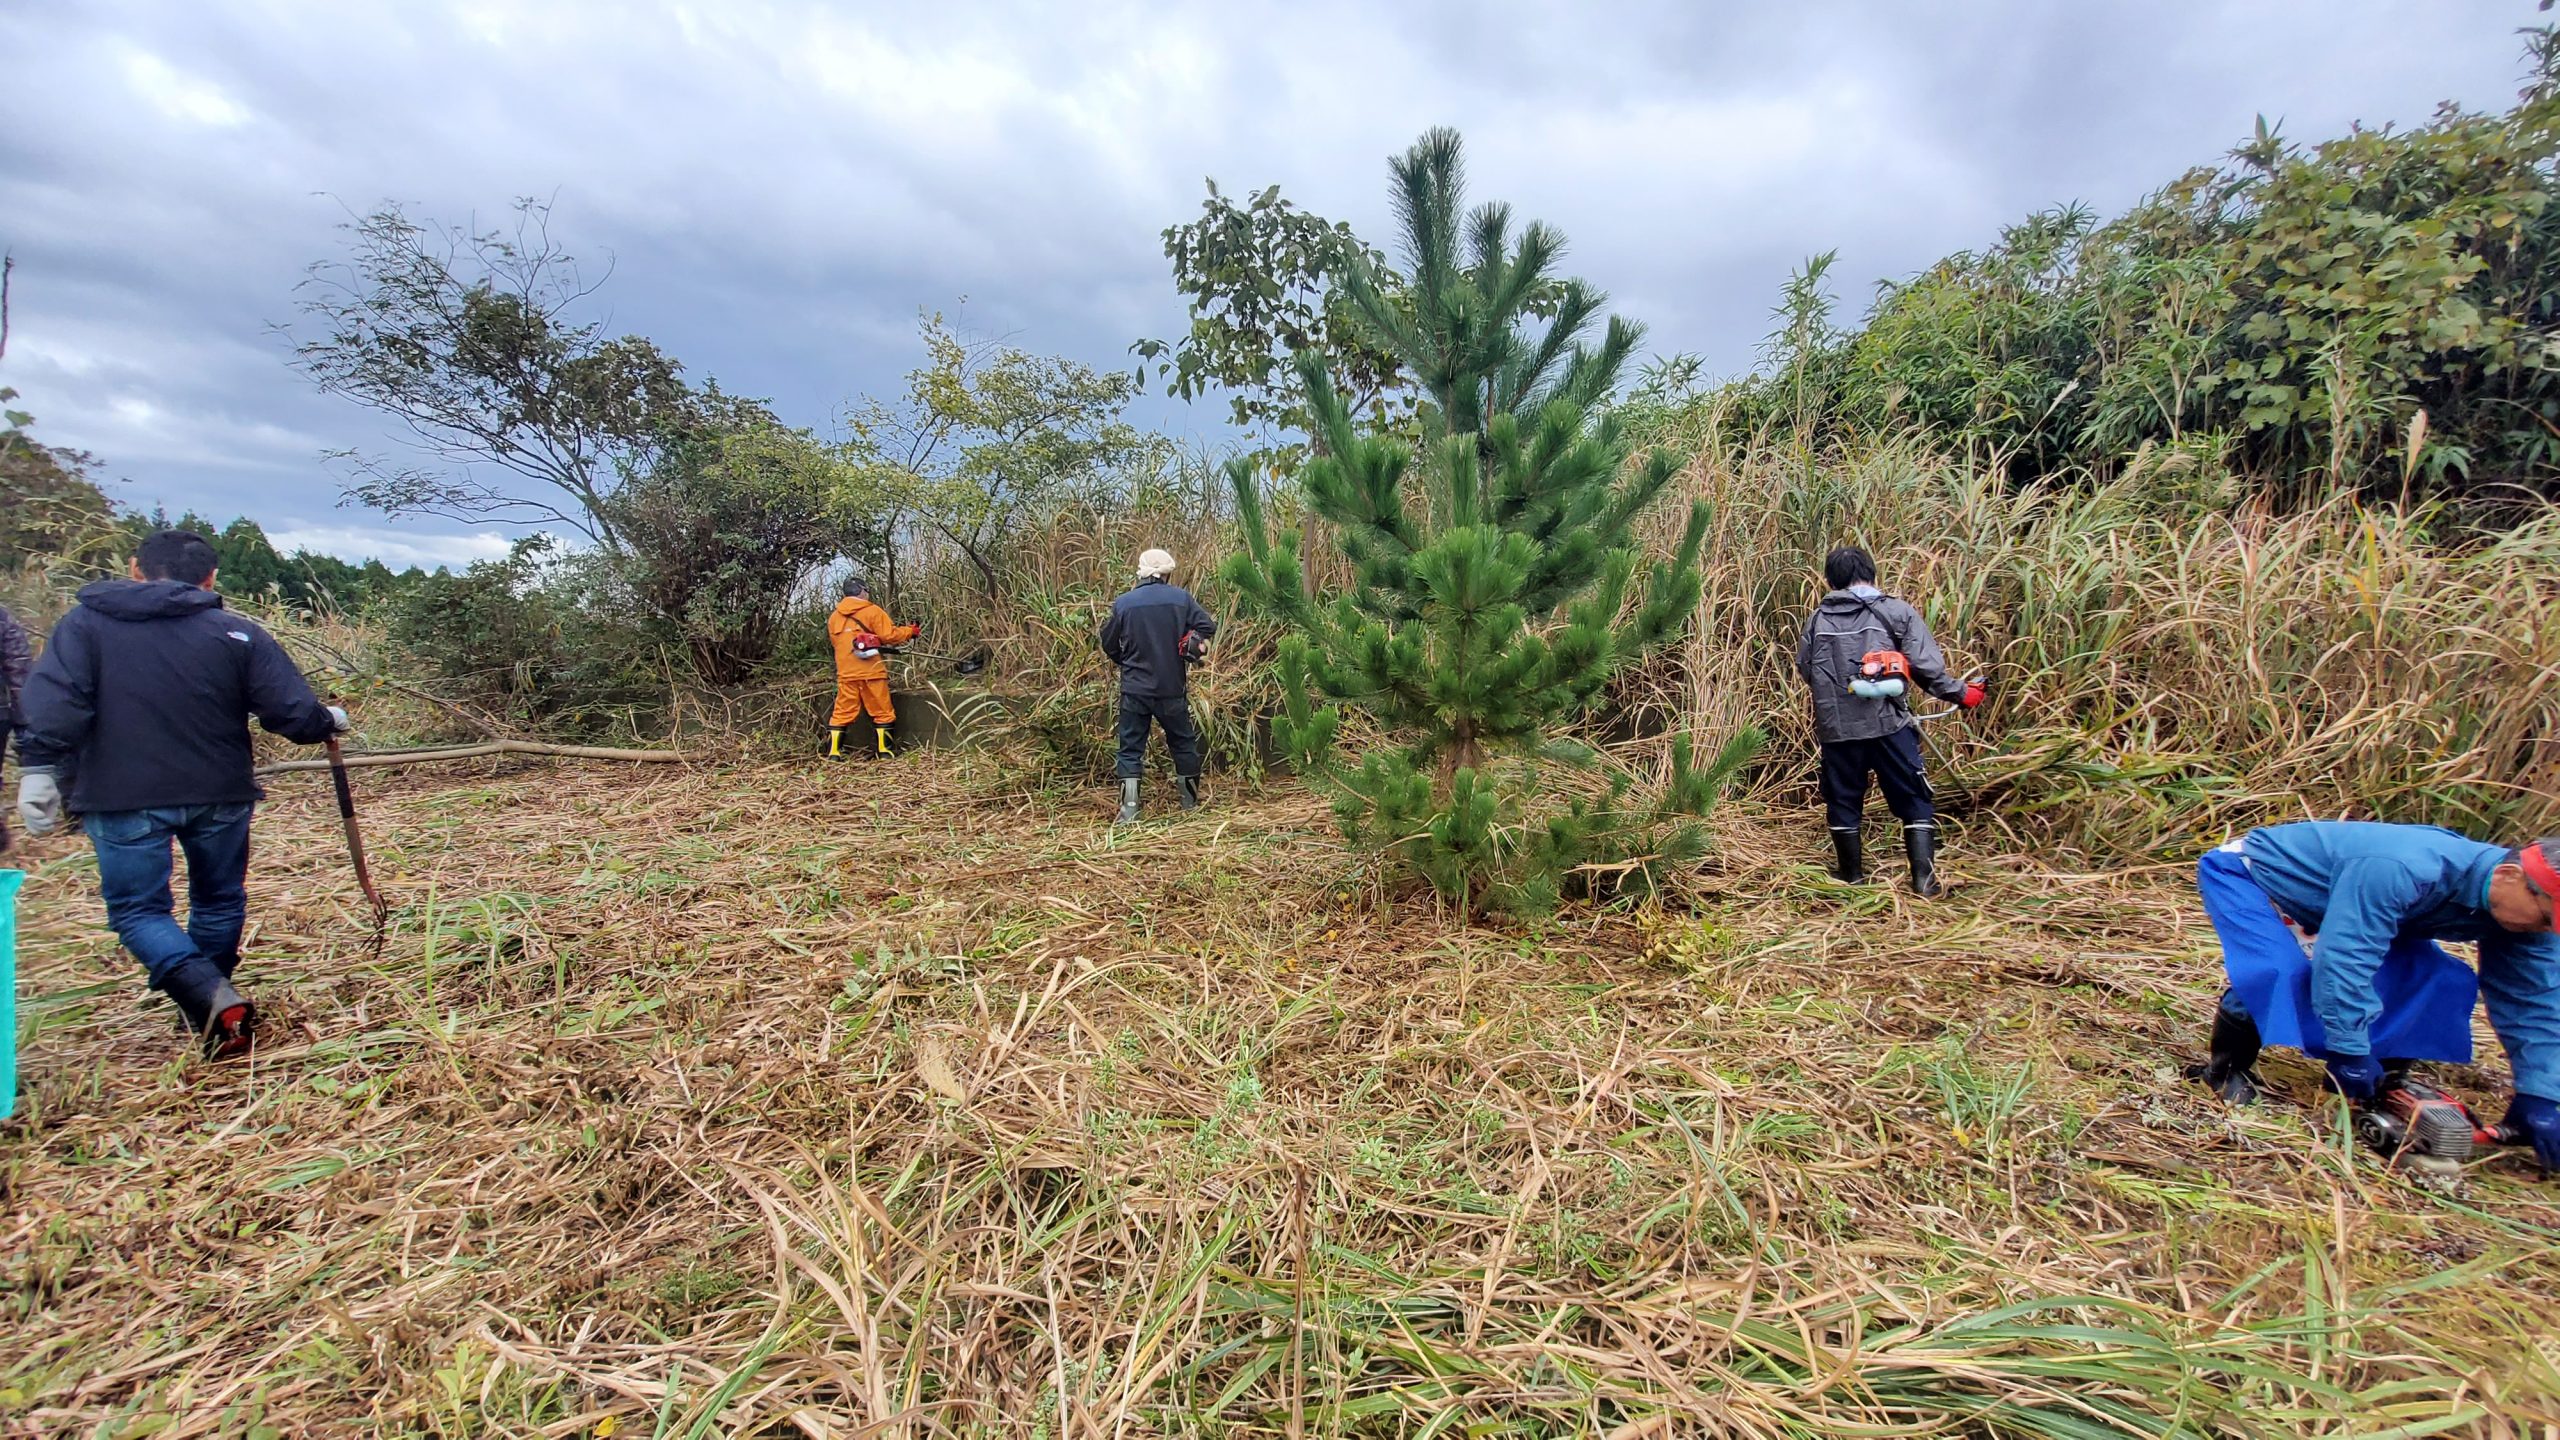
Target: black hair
(853, 586)
(1848, 566)
(180, 555)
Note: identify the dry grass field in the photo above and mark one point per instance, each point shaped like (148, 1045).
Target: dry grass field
(896, 1100)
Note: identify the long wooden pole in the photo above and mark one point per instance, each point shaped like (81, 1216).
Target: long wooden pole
(339, 763)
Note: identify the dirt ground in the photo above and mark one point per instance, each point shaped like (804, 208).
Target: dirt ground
(895, 1099)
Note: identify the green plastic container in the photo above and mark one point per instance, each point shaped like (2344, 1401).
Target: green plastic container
(9, 882)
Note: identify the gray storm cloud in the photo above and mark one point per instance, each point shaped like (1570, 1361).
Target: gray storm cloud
(780, 188)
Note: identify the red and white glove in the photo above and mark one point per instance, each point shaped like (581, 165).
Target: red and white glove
(1973, 695)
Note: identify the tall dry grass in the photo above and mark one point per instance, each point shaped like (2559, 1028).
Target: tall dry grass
(1040, 633)
(2163, 671)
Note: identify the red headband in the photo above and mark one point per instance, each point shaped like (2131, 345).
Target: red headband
(2538, 869)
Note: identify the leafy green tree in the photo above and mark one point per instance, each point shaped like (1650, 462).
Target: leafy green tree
(469, 339)
(725, 527)
(250, 564)
(2370, 314)
(987, 436)
(537, 639)
(1494, 571)
(1260, 278)
(315, 581)
(53, 506)
(2380, 274)
(325, 582)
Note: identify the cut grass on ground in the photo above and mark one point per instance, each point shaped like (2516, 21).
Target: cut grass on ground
(791, 1101)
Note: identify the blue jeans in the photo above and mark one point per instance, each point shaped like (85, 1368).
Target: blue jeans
(133, 876)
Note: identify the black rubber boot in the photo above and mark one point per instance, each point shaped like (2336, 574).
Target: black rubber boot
(1188, 787)
(2232, 1071)
(220, 1016)
(1849, 850)
(1920, 844)
(1128, 803)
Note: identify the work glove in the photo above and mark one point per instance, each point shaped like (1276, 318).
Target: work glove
(2357, 1077)
(39, 802)
(1973, 695)
(338, 720)
(2539, 1119)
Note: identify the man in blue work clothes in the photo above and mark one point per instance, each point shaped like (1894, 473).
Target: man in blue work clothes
(2374, 991)
(1155, 634)
(137, 719)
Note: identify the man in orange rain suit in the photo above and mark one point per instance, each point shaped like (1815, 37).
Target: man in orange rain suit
(859, 630)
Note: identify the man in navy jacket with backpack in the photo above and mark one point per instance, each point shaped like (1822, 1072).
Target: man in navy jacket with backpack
(137, 720)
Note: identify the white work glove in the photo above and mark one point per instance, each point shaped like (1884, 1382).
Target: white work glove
(39, 802)
(338, 720)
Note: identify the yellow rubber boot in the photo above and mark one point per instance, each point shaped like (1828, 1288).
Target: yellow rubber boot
(882, 731)
(835, 743)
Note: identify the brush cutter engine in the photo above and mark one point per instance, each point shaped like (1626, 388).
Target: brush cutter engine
(1882, 675)
(866, 646)
(2416, 1124)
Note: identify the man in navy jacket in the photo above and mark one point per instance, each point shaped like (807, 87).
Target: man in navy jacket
(2375, 991)
(137, 719)
(1155, 634)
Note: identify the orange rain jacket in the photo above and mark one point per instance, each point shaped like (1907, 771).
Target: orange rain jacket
(854, 616)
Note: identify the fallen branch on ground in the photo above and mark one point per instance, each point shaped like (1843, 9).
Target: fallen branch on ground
(493, 747)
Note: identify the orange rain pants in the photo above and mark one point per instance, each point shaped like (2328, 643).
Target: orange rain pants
(855, 696)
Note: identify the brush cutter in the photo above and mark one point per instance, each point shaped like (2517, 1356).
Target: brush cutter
(2415, 1124)
(969, 664)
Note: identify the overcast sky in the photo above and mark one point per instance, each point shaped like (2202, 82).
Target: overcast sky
(782, 187)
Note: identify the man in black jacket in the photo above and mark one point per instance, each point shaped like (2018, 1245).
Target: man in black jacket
(137, 715)
(1156, 632)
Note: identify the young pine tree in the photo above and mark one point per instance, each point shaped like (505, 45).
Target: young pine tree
(1494, 570)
